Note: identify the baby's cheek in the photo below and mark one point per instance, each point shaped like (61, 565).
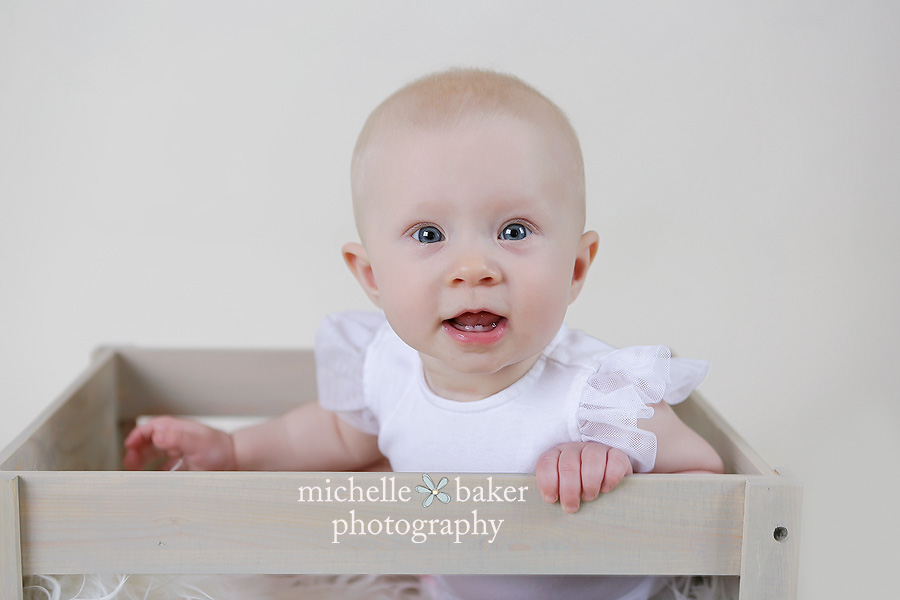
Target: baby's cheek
(545, 292)
(410, 316)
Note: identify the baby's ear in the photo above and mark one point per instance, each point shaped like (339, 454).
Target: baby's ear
(587, 250)
(357, 259)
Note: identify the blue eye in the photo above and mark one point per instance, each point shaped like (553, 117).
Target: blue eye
(428, 234)
(514, 232)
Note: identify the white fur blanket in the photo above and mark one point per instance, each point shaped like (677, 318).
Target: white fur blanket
(294, 587)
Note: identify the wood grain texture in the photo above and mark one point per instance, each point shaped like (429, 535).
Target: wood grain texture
(10, 545)
(78, 431)
(769, 565)
(254, 523)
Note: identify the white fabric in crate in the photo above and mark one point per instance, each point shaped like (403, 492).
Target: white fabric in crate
(294, 587)
(579, 389)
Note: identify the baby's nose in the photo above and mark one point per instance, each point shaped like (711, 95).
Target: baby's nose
(475, 268)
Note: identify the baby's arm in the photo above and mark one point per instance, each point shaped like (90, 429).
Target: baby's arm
(306, 438)
(679, 449)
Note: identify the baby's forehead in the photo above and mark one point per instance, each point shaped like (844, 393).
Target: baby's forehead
(402, 131)
(496, 169)
(472, 148)
(459, 96)
(512, 133)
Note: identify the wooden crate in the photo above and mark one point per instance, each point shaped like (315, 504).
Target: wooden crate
(65, 507)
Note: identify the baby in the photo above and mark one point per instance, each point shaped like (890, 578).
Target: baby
(469, 199)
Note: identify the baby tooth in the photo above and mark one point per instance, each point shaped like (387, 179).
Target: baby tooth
(478, 327)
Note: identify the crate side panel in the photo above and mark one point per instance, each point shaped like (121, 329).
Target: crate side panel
(257, 523)
(78, 431)
(214, 382)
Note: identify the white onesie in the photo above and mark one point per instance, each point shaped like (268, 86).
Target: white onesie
(580, 389)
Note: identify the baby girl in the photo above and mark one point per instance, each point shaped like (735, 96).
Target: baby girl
(469, 199)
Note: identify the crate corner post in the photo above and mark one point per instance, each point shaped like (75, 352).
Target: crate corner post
(771, 539)
(10, 539)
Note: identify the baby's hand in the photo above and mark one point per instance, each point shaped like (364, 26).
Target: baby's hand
(577, 471)
(166, 440)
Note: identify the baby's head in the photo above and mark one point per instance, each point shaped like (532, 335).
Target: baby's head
(459, 98)
(468, 194)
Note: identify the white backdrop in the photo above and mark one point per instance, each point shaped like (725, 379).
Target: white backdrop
(176, 174)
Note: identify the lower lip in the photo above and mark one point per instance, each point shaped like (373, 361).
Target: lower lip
(489, 336)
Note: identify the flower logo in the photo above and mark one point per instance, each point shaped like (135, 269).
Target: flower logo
(433, 491)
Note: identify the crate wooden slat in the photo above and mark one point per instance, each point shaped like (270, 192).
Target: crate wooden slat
(231, 522)
(75, 513)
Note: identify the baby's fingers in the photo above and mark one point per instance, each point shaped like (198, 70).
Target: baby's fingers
(594, 458)
(547, 475)
(139, 449)
(158, 443)
(570, 476)
(558, 474)
(618, 466)
(140, 436)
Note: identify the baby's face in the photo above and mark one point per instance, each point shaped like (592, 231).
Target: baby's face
(474, 239)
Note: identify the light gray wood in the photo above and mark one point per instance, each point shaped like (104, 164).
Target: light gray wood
(77, 431)
(254, 523)
(738, 455)
(10, 544)
(214, 382)
(769, 561)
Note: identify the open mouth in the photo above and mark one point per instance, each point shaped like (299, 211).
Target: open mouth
(475, 322)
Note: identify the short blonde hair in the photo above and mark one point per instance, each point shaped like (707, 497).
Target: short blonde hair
(461, 96)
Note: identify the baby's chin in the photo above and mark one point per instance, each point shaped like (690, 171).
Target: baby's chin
(486, 371)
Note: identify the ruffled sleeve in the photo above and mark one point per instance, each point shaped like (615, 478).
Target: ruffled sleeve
(619, 392)
(341, 345)
(686, 375)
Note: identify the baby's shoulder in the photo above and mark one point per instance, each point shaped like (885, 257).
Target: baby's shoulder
(362, 337)
(357, 327)
(578, 349)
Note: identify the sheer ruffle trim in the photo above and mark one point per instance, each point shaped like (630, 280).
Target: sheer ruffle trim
(619, 392)
(341, 344)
